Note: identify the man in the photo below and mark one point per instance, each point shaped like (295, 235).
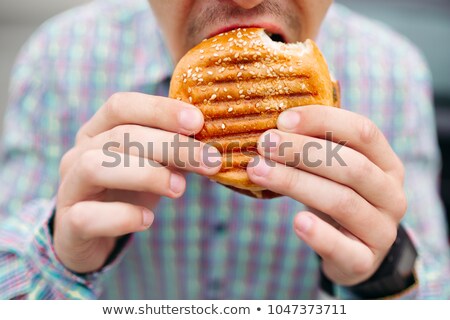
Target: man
(205, 241)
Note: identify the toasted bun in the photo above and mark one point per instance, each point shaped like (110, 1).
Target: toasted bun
(241, 81)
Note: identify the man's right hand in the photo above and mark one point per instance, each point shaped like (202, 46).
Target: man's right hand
(96, 204)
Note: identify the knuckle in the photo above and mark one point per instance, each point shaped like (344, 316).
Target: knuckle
(361, 171)
(114, 104)
(80, 135)
(77, 218)
(401, 206)
(346, 203)
(368, 131)
(390, 235)
(291, 180)
(117, 134)
(66, 161)
(401, 171)
(362, 267)
(88, 164)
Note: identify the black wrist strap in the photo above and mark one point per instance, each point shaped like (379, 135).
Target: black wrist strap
(395, 274)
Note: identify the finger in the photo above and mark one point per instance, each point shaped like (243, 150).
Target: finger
(359, 132)
(165, 147)
(350, 259)
(90, 177)
(332, 161)
(145, 110)
(343, 204)
(91, 219)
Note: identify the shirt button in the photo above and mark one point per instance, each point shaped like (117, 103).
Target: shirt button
(214, 285)
(220, 227)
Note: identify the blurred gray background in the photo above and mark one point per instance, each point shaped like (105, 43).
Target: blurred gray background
(18, 20)
(426, 23)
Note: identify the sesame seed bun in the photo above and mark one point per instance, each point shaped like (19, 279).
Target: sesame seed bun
(241, 81)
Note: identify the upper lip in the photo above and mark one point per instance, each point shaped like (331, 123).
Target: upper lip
(268, 27)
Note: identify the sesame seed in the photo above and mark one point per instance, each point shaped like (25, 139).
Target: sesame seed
(229, 97)
(225, 90)
(215, 55)
(239, 74)
(223, 126)
(189, 90)
(230, 109)
(202, 57)
(213, 97)
(210, 73)
(214, 40)
(236, 55)
(190, 99)
(202, 51)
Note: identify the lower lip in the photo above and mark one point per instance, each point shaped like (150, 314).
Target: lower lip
(232, 27)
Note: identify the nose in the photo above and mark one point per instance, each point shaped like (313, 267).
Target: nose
(248, 4)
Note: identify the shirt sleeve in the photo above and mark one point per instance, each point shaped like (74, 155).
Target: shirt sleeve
(414, 139)
(29, 268)
(38, 128)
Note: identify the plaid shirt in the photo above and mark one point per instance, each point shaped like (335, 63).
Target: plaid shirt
(212, 243)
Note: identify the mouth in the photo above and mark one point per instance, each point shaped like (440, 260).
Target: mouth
(274, 32)
(275, 36)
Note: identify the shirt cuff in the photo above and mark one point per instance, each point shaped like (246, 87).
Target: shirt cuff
(73, 286)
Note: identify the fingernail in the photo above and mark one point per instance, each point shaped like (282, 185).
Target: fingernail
(270, 141)
(260, 167)
(288, 120)
(147, 217)
(176, 183)
(211, 157)
(303, 224)
(190, 119)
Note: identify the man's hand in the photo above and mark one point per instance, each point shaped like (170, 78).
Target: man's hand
(358, 197)
(98, 202)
